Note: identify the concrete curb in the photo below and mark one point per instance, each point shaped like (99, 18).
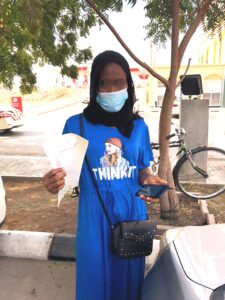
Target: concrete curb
(37, 245)
(44, 110)
(210, 219)
(48, 246)
(51, 246)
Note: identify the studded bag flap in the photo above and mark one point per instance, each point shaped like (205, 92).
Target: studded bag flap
(133, 238)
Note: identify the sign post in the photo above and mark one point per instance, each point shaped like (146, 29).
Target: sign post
(17, 103)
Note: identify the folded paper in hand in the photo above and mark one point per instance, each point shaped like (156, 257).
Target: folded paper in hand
(2, 202)
(67, 151)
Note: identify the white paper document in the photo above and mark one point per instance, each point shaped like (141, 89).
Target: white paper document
(67, 151)
(2, 202)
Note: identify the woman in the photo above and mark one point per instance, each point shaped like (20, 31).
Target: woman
(101, 275)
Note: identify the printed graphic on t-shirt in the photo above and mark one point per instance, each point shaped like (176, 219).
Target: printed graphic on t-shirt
(113, 164)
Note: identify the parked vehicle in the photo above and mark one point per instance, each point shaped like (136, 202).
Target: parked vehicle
(10, 118)
(190, 265)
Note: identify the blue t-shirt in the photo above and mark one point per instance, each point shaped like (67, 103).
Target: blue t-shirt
(114, 159)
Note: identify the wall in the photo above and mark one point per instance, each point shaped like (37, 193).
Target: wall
(209, 73)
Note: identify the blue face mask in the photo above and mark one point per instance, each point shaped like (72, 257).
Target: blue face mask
(112, 102)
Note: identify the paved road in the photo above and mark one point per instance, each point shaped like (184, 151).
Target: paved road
(29, 279)
(28, 158)
(21, 151)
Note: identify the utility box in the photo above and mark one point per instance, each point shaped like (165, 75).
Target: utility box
(194, 118)
(17, 103)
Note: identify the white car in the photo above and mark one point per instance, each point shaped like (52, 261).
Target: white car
(10, 118)
(190, 265)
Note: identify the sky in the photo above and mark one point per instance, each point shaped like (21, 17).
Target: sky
(129, 24)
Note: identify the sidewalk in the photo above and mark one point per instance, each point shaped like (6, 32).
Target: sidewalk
(29, 109)
(28, 279)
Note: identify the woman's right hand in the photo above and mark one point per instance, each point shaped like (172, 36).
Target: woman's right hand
(54, 180)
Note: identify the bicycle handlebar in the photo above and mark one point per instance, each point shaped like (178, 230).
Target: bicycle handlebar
(170, 136)
(179, 132)
(173, 144)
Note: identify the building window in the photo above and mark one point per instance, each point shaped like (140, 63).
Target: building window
(212, 88)
(214, 98)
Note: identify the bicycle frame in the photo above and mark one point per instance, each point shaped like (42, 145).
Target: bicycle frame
(191, 163)
(189, 155)
(155, 146)
(184, 150)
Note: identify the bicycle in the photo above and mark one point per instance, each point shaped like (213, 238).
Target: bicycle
(199, 172)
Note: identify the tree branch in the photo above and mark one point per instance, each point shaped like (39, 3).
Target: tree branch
(200, 16)
(188, 65)
(120, 40)
(175, 40)
(198, 5)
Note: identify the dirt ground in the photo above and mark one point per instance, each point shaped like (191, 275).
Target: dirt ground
(30, 207)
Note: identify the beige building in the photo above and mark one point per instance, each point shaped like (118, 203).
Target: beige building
(211, 67)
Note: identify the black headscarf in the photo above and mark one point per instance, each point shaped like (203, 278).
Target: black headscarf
(122, 119)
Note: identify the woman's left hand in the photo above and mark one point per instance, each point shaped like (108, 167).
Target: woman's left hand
(152, 179)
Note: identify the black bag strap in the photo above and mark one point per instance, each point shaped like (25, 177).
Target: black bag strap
(93, 178)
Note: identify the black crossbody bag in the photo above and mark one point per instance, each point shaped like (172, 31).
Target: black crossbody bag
(130, 238)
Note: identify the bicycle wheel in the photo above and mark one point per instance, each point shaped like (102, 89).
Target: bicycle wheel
(193, 183)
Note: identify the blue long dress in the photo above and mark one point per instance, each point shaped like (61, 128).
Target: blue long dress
(100, 274)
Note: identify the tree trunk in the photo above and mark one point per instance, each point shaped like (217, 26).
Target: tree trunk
(169, 201)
